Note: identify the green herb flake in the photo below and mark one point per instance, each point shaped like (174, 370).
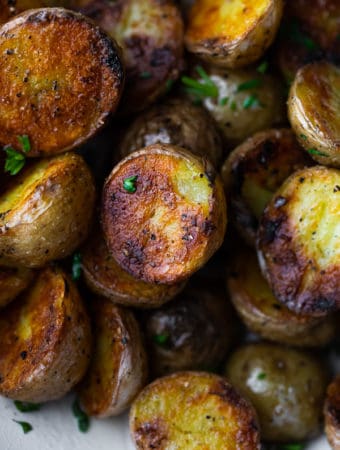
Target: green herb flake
(233, 106)
(26, 427)
(15, 160)
(314, 151)
(26, 406)
(76, 266)
(200, 88)
(263, 67)
(251, 100)
(299, 37)
(145, 75)
(291, 447)
(81, 416)
(169, 84)
(223, 101)
(261, 376)
(160, 339)
(129, 184)
(25, 143)
(303, 136)
(249, 85)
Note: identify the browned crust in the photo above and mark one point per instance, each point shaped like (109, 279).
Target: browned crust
(12, 282)
(332, 414)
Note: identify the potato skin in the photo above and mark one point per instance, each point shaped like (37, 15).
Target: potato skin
(193, 410)
(46, 340)
(46, 211)
(332, 414)
(232, 34)
(57, 98)
(297, 243)
(118, 370)
(12, 282)
(174, 221)
(285, 386)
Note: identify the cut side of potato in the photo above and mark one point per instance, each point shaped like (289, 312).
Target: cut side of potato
(12, 282)
(45, 340)
(191, 410)
(163, 213)
(118, 370)
(332, 414)
(60, 79)
(298, 241)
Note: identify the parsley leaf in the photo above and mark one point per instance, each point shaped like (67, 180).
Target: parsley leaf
(26, 427)
(251, 100)
(24, 142)
(250, 84)
(76, 266)
(15, 160)
(314, 151)
(200, 88)
(160, 339)
(26, 406)
(263, 67)
(81, 416)
(261, 376)
(129, 184)
(145, 75)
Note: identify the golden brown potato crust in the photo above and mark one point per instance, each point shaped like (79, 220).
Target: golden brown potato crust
(45, 340)
(332, 414)
(60, 78)
(191, 410)
(174, 219)
(12, 282)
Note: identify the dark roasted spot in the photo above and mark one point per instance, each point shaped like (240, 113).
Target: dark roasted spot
(267, 150)
(23, 355)
(270, 230)
(324, 304)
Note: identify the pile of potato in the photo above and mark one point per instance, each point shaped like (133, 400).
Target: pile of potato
(116, 265)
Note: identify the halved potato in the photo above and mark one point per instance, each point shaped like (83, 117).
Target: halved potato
(12, 282)
(254, 171)
(191, 410)
(298, 241)
(163, 213)
(313, 109)
(60, 79)
(46, 211)
(105, 277)
(118, 370)
(45, 340)
(332, 414)
(232, 34)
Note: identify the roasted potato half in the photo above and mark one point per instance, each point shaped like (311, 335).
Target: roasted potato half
(332, 413)
(118, 370)
(150, 33)
(313, 109)
(46, 211)
(232, 34)
(254, 171)
(298, 244)
(163, 213)
(191, 410)
(45, 340)
(264, 315)
(179, 122)
(106, 278)
(56, 89)
(12, 282)
(286, 387)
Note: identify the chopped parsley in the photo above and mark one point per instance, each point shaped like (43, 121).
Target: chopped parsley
(81, 416)
(25, 143)
(314, 151)
(76, 266)
(233, 106)
(250, 84)
(251, 100)
(303, 136)
(145, 75)
(26, 406)
(223, 101)
(26, 427)
(263, 67)
(200, 88)
(169, 83)
(160, 339)
(261, 376)
(283, 446)
(15, 160)
(129, 184)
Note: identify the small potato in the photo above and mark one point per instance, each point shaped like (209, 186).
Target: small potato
(106, 278)
(232, 34)
(60, 79)
(313, 109)
(163, 213)
(332, 414)
(118, 369)
(286, 387)
(45, 340)
(12, 282)
(46, 211)
(176, 121)
(193, 410)
(254, 171)
(298, 242)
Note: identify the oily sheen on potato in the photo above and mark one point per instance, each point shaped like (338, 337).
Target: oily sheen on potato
(332, 413)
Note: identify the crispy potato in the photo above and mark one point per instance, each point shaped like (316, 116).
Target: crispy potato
(105, 277)
(12, 282)
(285, 386)
(46, 211)
(56, 89)
(191, 410)
(176, 121)
(298, 243)
(163, 213)
(118, 370)
(232, 34)
(254, 171)
(150, 33)
(313, 108)
(45, 340)
(332, 413)
(264, 315)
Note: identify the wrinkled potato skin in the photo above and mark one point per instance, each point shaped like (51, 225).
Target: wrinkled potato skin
(118, 370)
(12, 282)
(232, 34)
(176, 121)
(332, 414)
(64, 88)
(45, 340)
(289, 398)
(175, 220)
(254, 171)
(298, 245)
(193, 410)
(50, 216)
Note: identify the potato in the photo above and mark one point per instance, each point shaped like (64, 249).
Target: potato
(118, 369)
(232, 34)
(175, 121)
(45, 340)
(254, 171)
(46, 211)
(285, 386)
(332, 413)
(106, 278)
(12, 282)
(298, 242)
(150, 33)
(264, 315)
(191, 410)
(313, 109)
(163, 213)
(56, 89)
